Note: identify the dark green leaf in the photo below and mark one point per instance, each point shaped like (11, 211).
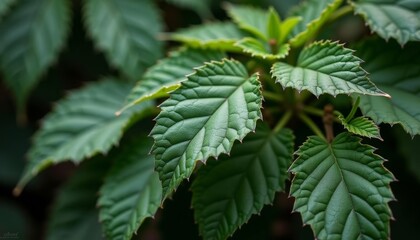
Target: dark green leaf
(4, 6)
(126, 30)
(397, 72)
(131, 192)
(399, 19)
(217, 105)
(228, 191)
(30, 38)
(74, 215)
(80, 126)
(342, 189)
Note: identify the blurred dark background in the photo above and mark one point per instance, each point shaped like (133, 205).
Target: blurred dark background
(79, 63)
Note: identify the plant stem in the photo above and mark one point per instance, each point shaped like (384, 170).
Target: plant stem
(313, 110)
(328, 120)
(283, 121)
(340, 13)
(273, 96)
(353, 110)
(311, 125)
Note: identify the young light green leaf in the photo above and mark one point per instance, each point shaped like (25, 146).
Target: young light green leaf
(342, 189)
(4, 6)
(131, 191)
(251, 19)
(361, 126)
(167, 74)
(261, 49)
(399, 19)
(397, 72)
(74, 215)
(314, 14)
(217, 105)
(127, 33)
(254, 172)
(80, 126)
(287, 26)
(30, 38)
(273, 26)
(326, 67)
(216, 35)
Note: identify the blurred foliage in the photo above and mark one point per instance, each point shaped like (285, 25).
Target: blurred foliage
(80, 62)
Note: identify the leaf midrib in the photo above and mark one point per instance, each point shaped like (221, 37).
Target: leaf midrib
(173, 178)
(337, 164)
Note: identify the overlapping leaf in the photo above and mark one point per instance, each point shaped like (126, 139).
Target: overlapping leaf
(74, 215)
(131, 192)
(314, 14)
(30, 38)
(216, 35)
(342, 189)
(249, 177)
(126, 31)
(326, 67)
(166, 76)
(397, 72)
(4, 6)
(81, 126)
(361, 126)
(397, 19)
(217, 105)
(251, 19)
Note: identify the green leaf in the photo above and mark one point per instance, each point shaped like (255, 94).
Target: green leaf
(131, 191)
(251, 19)
(361, 126)
(314, 14)
(80, 126)
(215, 35)
(167, 74)
(399, 19)
(126, 31)
(397, 72)
(217, 105)
(261, 49)
(74, 214)
(273, 25)
(254, 172)
(342, 189)
(326, 67)
(287, 26)
(31, 37)
(202, 7)
(5, 5)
